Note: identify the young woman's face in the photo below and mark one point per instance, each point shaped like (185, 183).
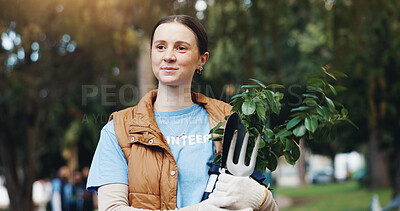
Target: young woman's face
(175, 54)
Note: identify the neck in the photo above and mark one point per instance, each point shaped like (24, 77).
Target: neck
(172, 98)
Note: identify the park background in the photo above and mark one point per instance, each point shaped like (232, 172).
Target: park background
(66, 65)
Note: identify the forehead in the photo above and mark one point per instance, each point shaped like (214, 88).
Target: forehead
(173, 32)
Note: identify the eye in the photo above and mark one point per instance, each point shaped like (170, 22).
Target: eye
(160, 47)
(181, 48)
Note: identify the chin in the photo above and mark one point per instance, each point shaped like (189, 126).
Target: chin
(172, 82)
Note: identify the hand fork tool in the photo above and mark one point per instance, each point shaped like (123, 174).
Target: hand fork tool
(235, 146)
(240, 168)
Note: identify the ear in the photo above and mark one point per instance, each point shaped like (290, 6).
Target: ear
(204, 58)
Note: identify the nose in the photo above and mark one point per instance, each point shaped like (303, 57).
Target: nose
(169, 56)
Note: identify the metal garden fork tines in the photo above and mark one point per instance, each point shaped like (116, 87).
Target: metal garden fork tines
(241, 169)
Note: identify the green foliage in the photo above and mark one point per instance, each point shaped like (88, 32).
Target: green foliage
(314, 119)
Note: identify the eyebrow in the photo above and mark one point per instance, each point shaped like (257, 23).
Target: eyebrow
(178, 42)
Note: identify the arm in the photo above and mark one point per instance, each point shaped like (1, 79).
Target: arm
(113, 197)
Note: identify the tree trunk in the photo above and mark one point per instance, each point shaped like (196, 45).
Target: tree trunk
(396, 167)
(146, 79)
(73, 160)
(301, 164)
(377, 165)
(19, 181)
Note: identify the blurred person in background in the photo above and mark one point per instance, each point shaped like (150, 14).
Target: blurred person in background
(61, 190)
(78, 188)
(41, 194)
(89, 197)
(154, 156)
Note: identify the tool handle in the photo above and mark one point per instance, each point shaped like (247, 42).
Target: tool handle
(212, 180)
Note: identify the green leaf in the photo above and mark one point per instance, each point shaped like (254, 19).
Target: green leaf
(239, 95)
(344, 112)
(237, 106)
(258, 82)
(272, 162)
(289, 159)
(269, 132)
(301, 108)
(277, 148)
(287, 143)
(315, 81)
(218, 158)
(332, 89)
(234, 100)
(279, 96)
(248, 107)
(275, 107)
(339, 74)
(261, 110)
(310, 96)
(269, 95)
(311, 123)
(309, 102)
(246, 123)
(340, 88)
(275, 86)
(299, 130)
(250, 86)
(293, 122)
(302, 115)
(283, 133)
(254, 131)
(216, 128)
(217, 138)
(330, 103)
(323, 111)
(296, 152)
(262, 143)
(314, 88)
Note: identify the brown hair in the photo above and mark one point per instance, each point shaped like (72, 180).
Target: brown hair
(192, 23)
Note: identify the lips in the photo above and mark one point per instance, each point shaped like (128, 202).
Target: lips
(169, 69)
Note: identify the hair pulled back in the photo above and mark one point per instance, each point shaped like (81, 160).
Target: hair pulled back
(192, 23)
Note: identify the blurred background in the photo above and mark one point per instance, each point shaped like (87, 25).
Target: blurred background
(65, 65)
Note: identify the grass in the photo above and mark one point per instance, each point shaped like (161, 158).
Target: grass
(342, 196)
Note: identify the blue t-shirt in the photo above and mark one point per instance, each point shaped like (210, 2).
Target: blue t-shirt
(192, 151)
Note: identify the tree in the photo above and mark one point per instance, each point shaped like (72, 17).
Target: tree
(50, 53)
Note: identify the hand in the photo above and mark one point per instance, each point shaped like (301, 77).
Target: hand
(218, 204)
(243, 192)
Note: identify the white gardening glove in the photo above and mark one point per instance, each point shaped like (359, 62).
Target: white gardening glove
(218, 204)
(244, 191)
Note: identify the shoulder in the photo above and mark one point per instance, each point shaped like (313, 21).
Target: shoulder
(213, 106)
(223, 106)
(122, 115)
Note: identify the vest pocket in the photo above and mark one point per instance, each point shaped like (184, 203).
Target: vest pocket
(145, 201)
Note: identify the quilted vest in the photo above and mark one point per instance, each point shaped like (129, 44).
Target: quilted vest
(152, 169)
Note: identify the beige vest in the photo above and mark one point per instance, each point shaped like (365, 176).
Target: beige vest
(152, 169)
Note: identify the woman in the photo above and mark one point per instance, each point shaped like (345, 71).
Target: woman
(141, 149)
